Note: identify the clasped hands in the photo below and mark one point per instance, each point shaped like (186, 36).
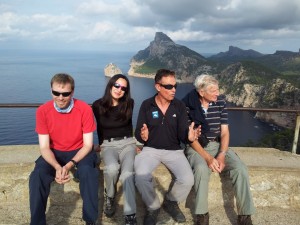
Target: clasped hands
(62, 175)
(216, 164)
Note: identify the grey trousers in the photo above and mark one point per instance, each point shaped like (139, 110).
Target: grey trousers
(238, 174)
(148, 160)
(119, 155)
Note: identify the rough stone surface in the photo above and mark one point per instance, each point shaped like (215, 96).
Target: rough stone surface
(112, 69)
(274, 178)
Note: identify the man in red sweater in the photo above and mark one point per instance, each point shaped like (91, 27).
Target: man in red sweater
(65, 131)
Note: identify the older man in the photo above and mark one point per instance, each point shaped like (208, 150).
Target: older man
(209, 111)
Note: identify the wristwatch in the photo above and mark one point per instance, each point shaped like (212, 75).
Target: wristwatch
(74, 163)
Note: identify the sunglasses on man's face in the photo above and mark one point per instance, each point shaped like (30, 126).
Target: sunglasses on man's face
(168, 86)
(64, 94)
(123, 88)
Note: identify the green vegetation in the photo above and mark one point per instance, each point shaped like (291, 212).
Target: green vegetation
(150, 66)
(259, 74)
(282, 140)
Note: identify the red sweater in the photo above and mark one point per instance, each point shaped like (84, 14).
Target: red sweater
(65, 129)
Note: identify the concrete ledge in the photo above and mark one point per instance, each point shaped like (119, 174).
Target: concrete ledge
(274, 177)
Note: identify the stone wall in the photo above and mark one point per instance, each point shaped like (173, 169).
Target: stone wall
(274, 178)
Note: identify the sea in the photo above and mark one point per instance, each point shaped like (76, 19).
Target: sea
(25, 78)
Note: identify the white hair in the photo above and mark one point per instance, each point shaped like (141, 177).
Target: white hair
(204, 80)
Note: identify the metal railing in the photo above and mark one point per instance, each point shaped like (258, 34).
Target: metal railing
(294, 111)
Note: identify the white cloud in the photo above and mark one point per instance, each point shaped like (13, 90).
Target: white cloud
(214, 24)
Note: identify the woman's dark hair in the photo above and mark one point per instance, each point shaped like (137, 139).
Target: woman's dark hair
(125, 103)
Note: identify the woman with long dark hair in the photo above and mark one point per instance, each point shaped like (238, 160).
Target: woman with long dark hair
(113, 113)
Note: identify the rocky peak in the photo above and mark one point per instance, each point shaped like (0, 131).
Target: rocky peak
(237, 52)
(164, 53)
(160, 37)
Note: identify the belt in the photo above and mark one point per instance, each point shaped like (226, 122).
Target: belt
(216, 139)
(116, 139)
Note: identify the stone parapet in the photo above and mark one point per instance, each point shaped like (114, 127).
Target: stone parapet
(274, 178)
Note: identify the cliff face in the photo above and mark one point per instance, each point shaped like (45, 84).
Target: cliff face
(111, 69)
(239, 88)
(164, 53)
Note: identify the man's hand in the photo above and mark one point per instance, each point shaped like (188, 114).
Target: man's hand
(194, 133)
(97, 148)
(144, 132)
(213, 164)
(62, 175)
(221, 160)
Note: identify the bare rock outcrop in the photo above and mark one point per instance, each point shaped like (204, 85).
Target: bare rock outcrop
(112, 69)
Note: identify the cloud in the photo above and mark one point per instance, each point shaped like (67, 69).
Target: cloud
(202, 25)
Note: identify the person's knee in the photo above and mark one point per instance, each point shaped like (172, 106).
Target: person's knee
(240, 171)
(126, 176)
(86, 171)
(202, 171)
(188, 180)
(112, 169)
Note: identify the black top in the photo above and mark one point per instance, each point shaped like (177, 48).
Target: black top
(108, 126)
(211, 120)
(165, 131)
(196, 113)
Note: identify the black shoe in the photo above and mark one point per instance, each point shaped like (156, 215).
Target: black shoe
(151, 217)
(202, 219)
(90, 223)
(244, 220)
(109, 206)
(173, 209)
(130, 220)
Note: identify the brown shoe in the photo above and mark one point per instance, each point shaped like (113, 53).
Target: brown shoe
(244, 220)
(202, 219)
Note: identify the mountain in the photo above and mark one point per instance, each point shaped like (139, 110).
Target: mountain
(234, 53)
(286, 63)
(164, 53)
(247, 78)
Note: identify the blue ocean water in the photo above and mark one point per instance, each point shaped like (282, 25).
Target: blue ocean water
(25, 78)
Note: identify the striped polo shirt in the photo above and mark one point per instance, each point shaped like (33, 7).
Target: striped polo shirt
(216, 115)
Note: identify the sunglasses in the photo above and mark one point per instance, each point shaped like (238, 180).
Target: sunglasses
(64, 94)
(123, 88)
(168, 86)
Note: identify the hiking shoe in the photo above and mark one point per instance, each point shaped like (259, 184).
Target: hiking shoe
(151, 217)
(130, 220)
(173, 209)
(202, 219)
(244, 220)
(109, 206)
(90, 223)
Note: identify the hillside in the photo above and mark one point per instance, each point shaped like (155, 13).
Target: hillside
(285, 63)
(250, 86)
(247, 78)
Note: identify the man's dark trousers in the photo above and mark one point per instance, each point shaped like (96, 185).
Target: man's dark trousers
(43, 175)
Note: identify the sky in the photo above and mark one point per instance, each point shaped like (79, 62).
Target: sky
(209, 26)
